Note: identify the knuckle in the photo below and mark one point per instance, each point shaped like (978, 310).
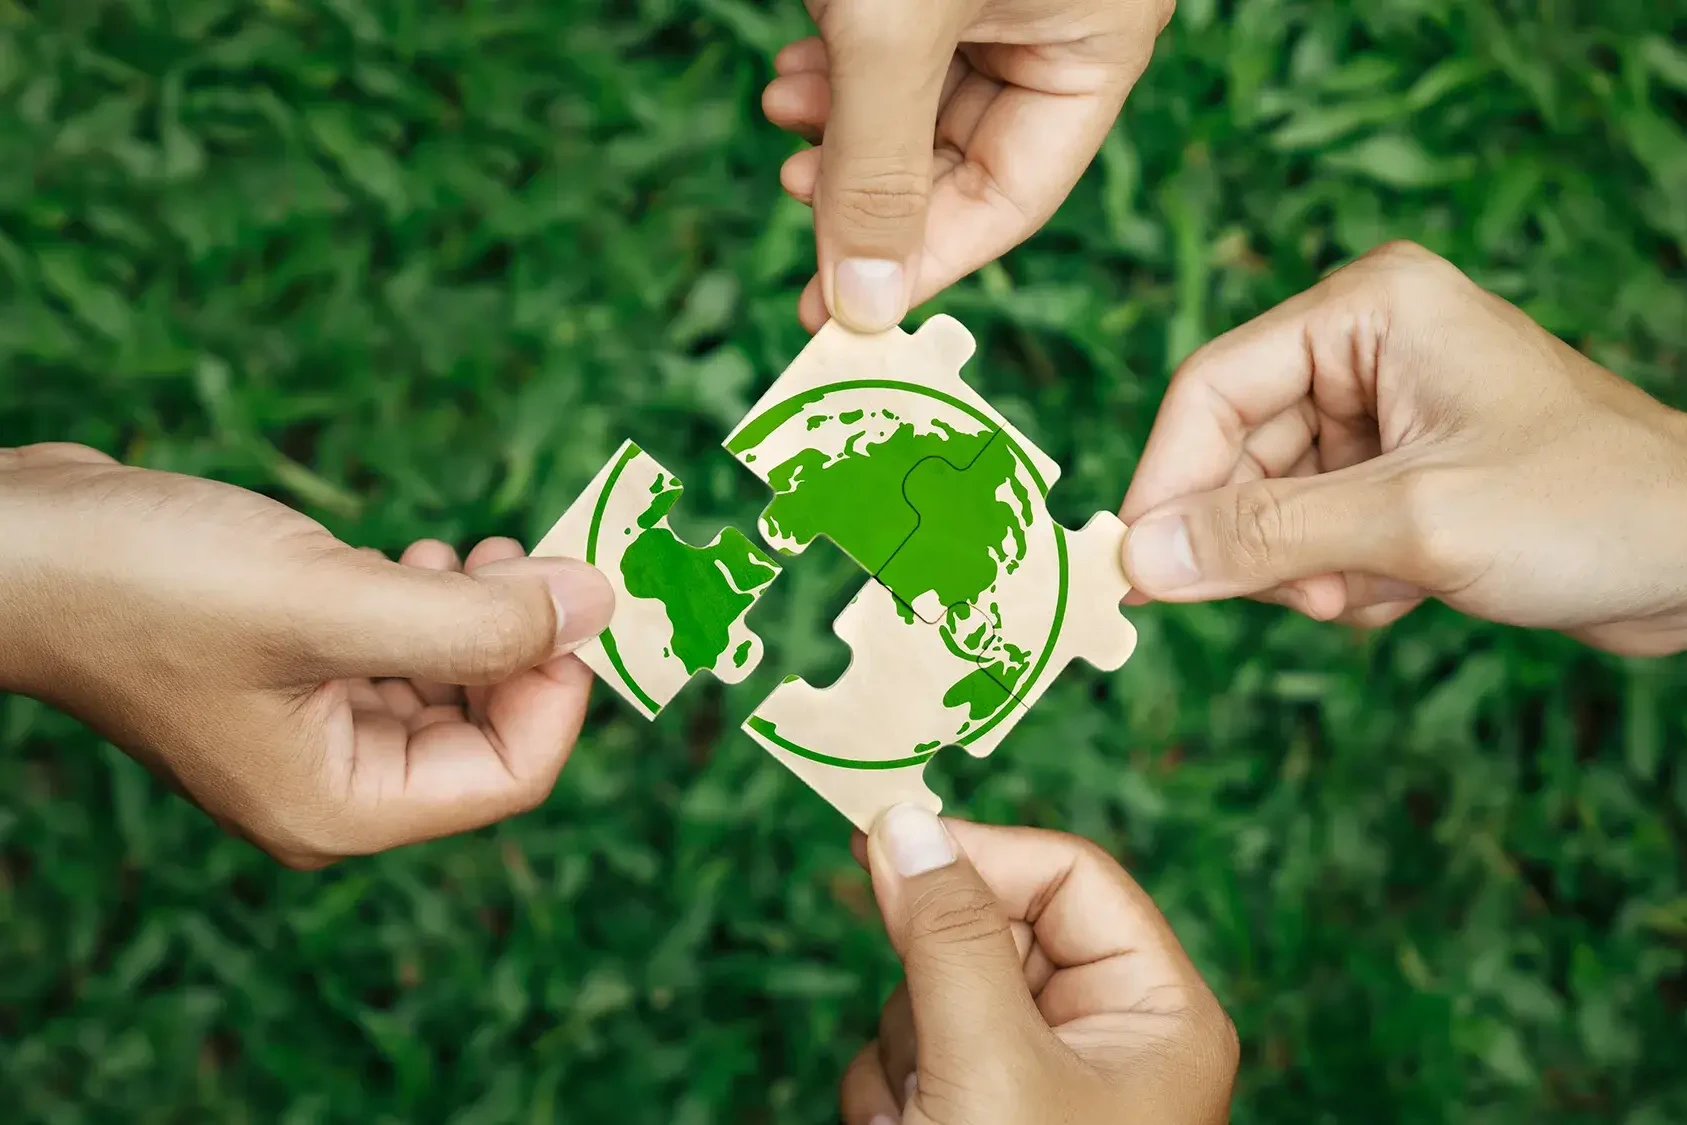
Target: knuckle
(308, 830)
(1229, 1043)
(1407, 269)
(1084, 852)
(301, 860)
(956, 919)
(1210, 1035)
(870, 196)
(1202, 1039)
(953, 1087)
(858, 1090)
(1381, 616)
(1087, 850)
(974, 182)
(1215, 1048)
(1403, 252)
(873, 30)
(501, 643)
(1186, 390)
(302, 845)
(1264, 529)
(531, 792)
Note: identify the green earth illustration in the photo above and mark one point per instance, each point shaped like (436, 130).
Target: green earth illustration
(930, 497)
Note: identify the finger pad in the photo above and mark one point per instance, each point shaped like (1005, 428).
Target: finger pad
(429, 554)
(801, 55)
(493, 550)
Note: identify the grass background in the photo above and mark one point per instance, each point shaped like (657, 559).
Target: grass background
(416, 267)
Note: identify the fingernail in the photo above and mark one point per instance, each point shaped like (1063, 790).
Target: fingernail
(584, 604)
(910, 1086)
(916, 841)
(882, 1119)
(868, 293)
(1158, 556)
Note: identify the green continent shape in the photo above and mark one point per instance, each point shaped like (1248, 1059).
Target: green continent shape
(855, 498)
(979, 692)
(971, 531)
(972, 636)
(703, 589)
(968, 534)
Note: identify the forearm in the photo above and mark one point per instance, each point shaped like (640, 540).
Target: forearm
(25, 536)
(51, 527)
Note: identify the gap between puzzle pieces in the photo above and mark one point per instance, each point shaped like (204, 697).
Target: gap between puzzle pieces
(679, 609)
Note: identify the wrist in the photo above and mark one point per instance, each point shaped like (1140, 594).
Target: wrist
(25, 532)
(1648, 510)
(1673, 504)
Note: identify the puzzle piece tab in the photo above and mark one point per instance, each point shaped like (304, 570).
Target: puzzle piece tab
(863, 743)
(839, 431)
(679, 609)
(1039, 595)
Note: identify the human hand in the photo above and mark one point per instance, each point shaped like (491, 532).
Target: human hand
(952, 130)
(294, 687)
(1396, 433)
(1041, 985)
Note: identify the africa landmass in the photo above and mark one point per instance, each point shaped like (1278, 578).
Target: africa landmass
(704, 590)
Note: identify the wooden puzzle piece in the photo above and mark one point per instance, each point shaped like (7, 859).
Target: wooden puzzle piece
(679, 609)
(839, 431)
(1011, 586)
(863, 743)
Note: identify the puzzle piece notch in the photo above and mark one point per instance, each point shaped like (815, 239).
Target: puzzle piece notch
(838, 432)
(863, 742)
(680, 609)
(1040, 596)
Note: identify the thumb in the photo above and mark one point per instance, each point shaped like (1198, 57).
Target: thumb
(1251, 537)
(377, 619)
(888, 60)
(966, 983)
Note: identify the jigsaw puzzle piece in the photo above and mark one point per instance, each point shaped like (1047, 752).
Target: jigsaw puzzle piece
(840, 430)
(1003, 580)
(679, 609)
(863, 743)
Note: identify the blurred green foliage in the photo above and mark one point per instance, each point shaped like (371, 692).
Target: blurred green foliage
(416, 267)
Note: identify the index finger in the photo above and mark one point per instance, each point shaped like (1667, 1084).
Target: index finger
(1077, 899)
(1217, 397)
(1024, 150)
